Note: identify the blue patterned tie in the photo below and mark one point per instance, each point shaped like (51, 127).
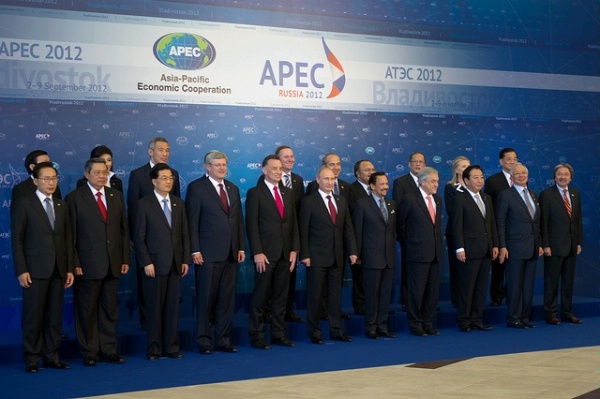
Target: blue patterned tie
(49, 211)
(166, 210)
(383, 209)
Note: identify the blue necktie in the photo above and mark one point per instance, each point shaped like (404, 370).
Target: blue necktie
(166, 210)
(49, 211)
(383, 209)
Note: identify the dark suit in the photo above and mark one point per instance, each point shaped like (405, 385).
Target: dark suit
(423, 244)
(402, 186)
(298, 193)
(167, 248)
(45, 253)
(494, 185)
(218, 236)
(25, 189)
(275, 237)
(115, 182)
(376, 243)
(357, 192)
(450, 191)
(100, 250)
(140, 185)
(519, 233)
(477, 235)
(325, 244)
(562, 234)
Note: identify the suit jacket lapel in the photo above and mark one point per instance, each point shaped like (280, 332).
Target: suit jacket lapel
(424, 207)
(213, 193)
(39, 209)
(88, 196)
(375, 208)
(232, 198)
(157, 207)
(474, 206)
(267, 193)
(517, 193)
(560, 201)
(324, 208)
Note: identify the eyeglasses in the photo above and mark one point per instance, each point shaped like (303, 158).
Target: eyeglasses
(99, 173)
(47, 179)
(165, 178)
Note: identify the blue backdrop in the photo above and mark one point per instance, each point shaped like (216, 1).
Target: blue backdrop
(544, 127)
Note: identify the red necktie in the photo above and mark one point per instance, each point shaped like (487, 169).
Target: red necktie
(223, 196)
(567, 203)
(101, 206)
(332, 210)
(430, 207)
(278, 201)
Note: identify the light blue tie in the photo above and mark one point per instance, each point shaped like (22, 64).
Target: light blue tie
(50, 211)
(528, 202)
(383, 210)
(480, 204)
(336, 188)
(166, 210)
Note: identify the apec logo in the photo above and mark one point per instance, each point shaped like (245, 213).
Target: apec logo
(184, 51)
(304, 76)
(254, 165)
(42, 136)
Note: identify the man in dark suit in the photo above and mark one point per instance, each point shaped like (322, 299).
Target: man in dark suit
(140, 185)
(375, 225)
(101, 255)
(420, 228)
(42, 246)
(272, 229)
(326, 232)
(518, 222)
(27, 186)
(294, 181)
(341, 188)
(218, 244)
(363, 169)
(162, 244)
(474, 232)
(494, 185)
(403, 185)
(562, 238)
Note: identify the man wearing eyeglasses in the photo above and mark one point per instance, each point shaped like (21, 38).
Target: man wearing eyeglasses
(27, 186)
(162, 245)
(408, 183)
(140, 185)
(42, 250)
(101, 255)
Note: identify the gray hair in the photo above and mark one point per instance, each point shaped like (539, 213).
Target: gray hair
(425, 173)
(214, 154)
(89, 164)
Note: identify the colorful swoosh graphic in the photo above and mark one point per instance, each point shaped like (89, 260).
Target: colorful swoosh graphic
(337, 72)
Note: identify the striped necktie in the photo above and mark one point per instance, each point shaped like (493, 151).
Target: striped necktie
(566, 202)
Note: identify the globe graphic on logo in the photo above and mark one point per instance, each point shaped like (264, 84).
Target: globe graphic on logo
(184, 51)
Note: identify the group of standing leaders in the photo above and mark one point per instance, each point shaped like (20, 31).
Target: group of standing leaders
(518, 228)
(86, 240)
